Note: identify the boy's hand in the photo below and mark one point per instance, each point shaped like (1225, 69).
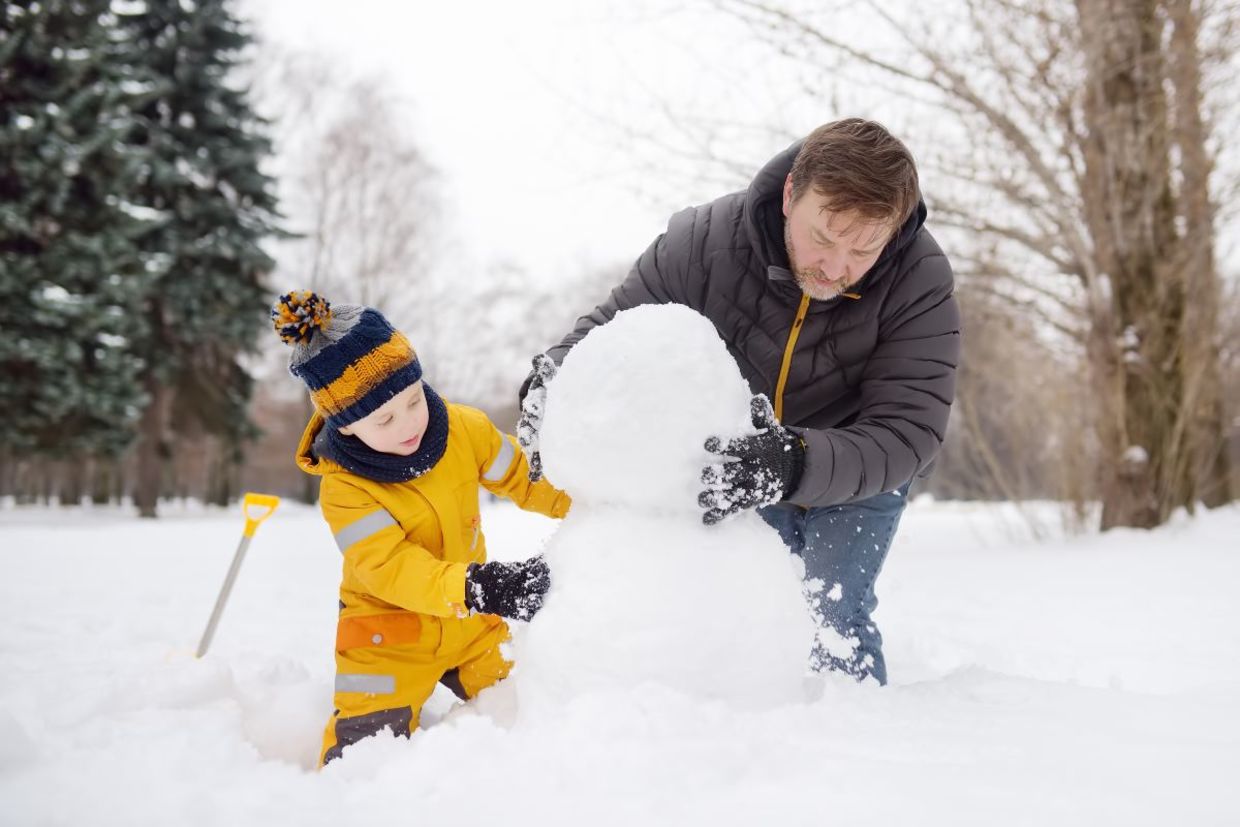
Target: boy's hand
(533, 403)
(511, 590)
(759, 470)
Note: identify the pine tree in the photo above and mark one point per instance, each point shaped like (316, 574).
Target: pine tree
(70, 273)
(206, 304)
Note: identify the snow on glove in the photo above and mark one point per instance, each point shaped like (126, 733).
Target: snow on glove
(511, 590)
(757, 470)
(533, 403)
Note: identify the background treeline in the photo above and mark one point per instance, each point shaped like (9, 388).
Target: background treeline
(1074, 157)
(132, 207)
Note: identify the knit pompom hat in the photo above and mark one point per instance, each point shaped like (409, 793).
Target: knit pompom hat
(350, 357)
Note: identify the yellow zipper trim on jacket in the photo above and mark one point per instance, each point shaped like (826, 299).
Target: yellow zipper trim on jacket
(787, 363)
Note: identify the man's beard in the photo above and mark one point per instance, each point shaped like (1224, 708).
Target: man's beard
(806, 278)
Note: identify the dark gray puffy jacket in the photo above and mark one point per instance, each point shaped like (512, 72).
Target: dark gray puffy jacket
(871, 380)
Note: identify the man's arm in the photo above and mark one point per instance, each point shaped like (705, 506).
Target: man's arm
(657, 277)
(906, 394)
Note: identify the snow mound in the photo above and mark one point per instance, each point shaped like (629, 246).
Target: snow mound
(643, 593)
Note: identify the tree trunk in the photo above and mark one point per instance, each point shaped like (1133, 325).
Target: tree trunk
(103, 481)
(1206, 421)
(8, 475)
(153, 448)
(71, 483)
(24, 483)
(222, 469)
(47, 484)
(1130, 211)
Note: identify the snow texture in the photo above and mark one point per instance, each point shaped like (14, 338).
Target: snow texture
(642, 593)
(632, 406)
(1079, 681)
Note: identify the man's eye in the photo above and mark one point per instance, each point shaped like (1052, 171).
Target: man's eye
(385, 422)
(413, 403)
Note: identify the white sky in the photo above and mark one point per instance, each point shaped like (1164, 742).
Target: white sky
(519, 106)
(516, 104)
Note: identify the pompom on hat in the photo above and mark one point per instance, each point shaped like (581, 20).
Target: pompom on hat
(350, 357)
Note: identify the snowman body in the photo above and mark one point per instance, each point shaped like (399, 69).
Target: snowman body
(643, 592)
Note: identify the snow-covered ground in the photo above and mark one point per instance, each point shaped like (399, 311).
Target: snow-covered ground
(1089, 680)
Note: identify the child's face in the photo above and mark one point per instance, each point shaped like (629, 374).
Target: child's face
(397, 426)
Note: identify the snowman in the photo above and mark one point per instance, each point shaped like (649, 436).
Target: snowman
(642, 592)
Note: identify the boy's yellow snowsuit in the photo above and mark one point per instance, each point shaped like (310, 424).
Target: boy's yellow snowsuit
(403, 624)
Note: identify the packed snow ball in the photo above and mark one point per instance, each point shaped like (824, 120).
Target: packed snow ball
(630, 408)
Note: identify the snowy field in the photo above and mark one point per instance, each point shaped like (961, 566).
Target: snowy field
(1090, 680)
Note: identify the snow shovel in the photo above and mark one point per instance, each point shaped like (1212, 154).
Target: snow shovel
(252, 522)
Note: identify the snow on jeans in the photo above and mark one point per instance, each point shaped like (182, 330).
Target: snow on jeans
(843, 547)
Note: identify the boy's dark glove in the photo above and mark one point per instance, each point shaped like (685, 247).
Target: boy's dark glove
(760, 469)
(511, 590)
(533, 397)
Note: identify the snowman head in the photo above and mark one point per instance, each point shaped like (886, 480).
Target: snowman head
(632, 404)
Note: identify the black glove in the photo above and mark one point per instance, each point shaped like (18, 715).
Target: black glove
(533, 397)
(760, 469)
(511, 590)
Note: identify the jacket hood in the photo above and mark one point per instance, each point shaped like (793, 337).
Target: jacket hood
(763, 217)
(310, 460)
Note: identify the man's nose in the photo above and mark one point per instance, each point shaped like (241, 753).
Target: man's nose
(833, 266)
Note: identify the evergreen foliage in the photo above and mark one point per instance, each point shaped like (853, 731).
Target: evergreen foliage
(212, 205)
(71, 277)
(132, 209)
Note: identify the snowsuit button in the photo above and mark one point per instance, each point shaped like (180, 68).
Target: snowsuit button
(377, 639)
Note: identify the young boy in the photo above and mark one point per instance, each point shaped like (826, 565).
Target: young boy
(400, 469)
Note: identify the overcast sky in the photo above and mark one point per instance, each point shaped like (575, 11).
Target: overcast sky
(519, 105)
(523, 107)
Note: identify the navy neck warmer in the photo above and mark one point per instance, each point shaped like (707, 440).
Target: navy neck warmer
(358, 458)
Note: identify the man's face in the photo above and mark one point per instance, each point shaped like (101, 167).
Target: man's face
(828, 251)
(397, 426)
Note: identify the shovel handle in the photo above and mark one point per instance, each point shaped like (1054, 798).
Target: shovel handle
(252, 521)
(263, 501)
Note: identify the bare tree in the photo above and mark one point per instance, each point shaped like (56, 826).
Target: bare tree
(361, 198)
(1076, 163)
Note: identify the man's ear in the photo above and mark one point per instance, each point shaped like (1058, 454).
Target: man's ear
(345, 430)
(787, 195)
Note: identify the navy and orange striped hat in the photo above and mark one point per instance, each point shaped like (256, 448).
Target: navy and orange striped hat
(349, 356)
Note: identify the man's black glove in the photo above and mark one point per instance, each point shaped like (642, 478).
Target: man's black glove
(759, 470)
(511, 590)
(533, 397)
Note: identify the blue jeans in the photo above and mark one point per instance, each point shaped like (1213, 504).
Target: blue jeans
(843, 547)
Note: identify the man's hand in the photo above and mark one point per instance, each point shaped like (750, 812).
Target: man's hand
(511, 590)
(758, 470)
(533, 404)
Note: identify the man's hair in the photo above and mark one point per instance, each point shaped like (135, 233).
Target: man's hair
(858, 165)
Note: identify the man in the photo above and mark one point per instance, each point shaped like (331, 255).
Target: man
(837, 304)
